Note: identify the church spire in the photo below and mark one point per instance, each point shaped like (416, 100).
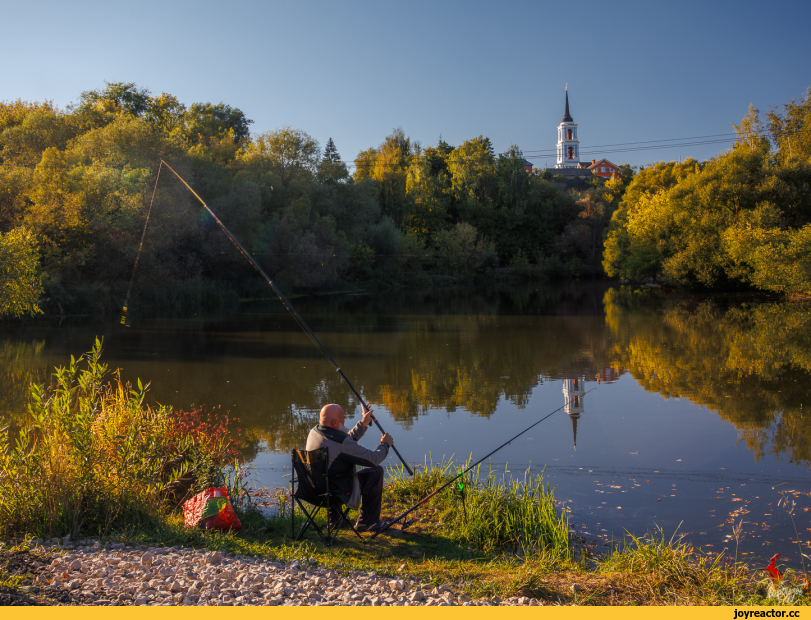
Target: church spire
(568, 145)
(567, 118)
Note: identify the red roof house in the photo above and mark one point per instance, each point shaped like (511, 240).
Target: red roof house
(604, 169)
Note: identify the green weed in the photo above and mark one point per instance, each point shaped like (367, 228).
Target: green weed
(492, 513)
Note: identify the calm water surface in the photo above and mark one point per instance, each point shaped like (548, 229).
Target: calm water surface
(692, 418)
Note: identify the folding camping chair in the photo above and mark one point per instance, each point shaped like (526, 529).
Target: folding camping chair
(310, 483)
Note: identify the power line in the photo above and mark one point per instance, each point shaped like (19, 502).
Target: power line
(717, 135)
(585, 152)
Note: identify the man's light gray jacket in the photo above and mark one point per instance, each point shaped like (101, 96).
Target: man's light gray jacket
(344, 452)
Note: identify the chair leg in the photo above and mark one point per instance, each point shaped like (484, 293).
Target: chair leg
(345, 518)
(311, 521)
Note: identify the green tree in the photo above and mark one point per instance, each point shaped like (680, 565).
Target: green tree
(472, 169)
(41, 128)
(776, 259)
(20, 281)
(388, 165)
(752, 132)
(331, 154)
(513, 181)
(789, 130)
(166, 114)
(585, 231)
(206, 121)
(289, 153)
(428, 199)
(331, 167)
(461, 251)
(621, 251)
(116, 96)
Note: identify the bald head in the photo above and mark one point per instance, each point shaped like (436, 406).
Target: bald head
(332, 415)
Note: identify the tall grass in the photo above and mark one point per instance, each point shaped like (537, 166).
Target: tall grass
(492, 513)
(91, 456)
(667, 569)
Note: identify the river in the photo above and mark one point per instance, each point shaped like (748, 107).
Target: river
(679, 413)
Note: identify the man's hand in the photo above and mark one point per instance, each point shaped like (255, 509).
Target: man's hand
(386, 438)
(367, 415)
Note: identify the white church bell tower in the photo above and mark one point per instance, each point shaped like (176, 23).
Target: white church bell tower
(568, 144)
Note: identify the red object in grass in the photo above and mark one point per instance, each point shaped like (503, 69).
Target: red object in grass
(211, 510)
(776, 574)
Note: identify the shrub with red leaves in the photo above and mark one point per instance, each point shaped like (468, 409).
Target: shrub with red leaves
(196, 430)
(198, 447)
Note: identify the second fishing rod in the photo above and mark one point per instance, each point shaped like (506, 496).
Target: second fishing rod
(288, 306)
(463, 472)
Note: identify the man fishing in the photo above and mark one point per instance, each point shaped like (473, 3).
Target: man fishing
(365, 488)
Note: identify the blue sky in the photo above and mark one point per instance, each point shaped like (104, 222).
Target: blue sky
(636, 71)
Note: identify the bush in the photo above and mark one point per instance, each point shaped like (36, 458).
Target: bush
(91, 456)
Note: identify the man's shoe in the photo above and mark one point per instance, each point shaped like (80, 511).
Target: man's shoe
(374, 527)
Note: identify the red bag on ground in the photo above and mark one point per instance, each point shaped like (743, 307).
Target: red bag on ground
(211, 510)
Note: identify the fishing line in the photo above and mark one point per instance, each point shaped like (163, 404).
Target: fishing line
(463, 472)
(288, 306)
(140, 246)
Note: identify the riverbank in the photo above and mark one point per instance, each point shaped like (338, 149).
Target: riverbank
(240, 569)
(169, 564)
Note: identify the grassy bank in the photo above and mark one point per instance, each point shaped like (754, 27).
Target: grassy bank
(95, 462)
(645, 571)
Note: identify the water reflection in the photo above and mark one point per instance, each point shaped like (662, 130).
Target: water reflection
(21, 363)
(574, 394)
(416, 354)
(749, 362)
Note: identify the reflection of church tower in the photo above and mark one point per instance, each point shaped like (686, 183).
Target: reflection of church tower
(573, 393)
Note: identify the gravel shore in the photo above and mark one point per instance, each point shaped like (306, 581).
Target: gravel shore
(89, 573)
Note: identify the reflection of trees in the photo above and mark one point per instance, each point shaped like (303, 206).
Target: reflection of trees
(410, 352)
(452, 362)
(751, 363)
(467, 362)
(20, 362)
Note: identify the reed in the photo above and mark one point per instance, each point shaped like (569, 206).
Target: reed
(490, 513)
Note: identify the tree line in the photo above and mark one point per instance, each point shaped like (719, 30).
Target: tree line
(75, 186)
(742, 219)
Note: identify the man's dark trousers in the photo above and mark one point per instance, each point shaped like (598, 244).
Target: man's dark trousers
(371, 496)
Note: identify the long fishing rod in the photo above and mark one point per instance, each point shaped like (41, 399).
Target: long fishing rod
(140, 247)
(462, 473)
(286, 303)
